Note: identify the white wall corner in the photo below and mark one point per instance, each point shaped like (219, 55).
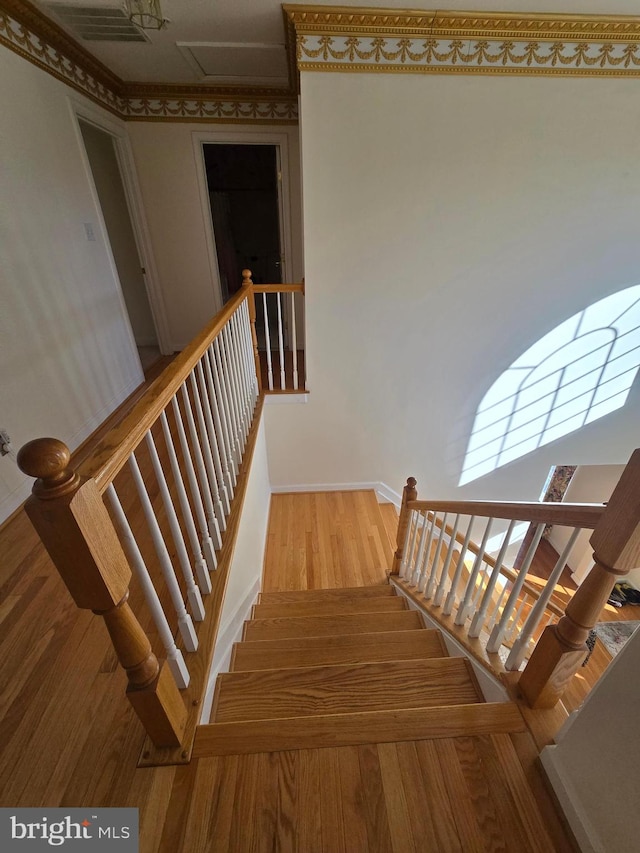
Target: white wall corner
(584, 833)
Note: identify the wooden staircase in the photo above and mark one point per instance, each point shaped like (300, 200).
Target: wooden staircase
(345, 668)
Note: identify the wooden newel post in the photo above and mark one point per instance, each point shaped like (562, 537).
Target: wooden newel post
(616, 545)
(251, 301)
(72, 521)
(409, 493)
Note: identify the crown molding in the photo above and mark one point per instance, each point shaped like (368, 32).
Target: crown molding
(383, 40)
(369, 21)
(27, 32)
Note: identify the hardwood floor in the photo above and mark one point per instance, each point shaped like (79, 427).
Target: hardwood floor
(322, 540)
(68, 736)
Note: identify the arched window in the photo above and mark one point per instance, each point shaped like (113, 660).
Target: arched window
(581, 370)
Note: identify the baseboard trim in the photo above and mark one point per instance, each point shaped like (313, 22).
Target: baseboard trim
(583, 831)
(385, 493)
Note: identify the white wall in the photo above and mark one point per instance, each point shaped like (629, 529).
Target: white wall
(66, 348)
(450, 222)
(245, 574)
(171, 183)
(595, 767)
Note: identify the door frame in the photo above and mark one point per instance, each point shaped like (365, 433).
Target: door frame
(116, 129)
(226, 136)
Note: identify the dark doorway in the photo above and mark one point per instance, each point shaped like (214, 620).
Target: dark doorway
(242, 182)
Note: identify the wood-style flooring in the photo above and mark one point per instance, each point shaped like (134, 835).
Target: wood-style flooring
(68, 736)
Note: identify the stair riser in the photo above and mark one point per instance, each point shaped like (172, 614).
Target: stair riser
(376, 604)
(357, 648)
(354, 729)
(340, 594)
(329, 626)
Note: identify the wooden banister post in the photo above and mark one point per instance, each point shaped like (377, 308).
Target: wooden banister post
(75, 528)
(616, 545)
(409, 493)
(251, 301)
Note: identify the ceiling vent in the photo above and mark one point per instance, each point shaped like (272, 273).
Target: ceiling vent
(98, 23)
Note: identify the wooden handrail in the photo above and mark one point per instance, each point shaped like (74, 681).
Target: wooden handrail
(279, 288)
(112, 452)
(586, 516)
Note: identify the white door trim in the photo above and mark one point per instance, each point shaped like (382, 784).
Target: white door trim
(226, 136)
(81, 109)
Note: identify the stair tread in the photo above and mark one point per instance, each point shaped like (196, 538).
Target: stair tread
(341, 648)
(318, 626)
(304, 691)
(330, 730)
(356, 592)
(372, 604)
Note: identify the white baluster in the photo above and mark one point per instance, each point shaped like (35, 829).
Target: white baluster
(185, 625)
(221, 425)
(465, 604)
(241, 371)
(513, 627)
(481, 615)
(497, 635)
(412, 545)
(415, 574)
(451, 598)
(193, 593)
(447, 563)
(267, 341)
(433, 576)
(225, 412)
(205, 444)
(519, 650)
(294, 342)
(403, 571)
(424, 568)
(202, 571)
(248, 342)
(174, 656)
(209, 534)
(283, 378)
(234, 395)
(491, 621)
(206, 399)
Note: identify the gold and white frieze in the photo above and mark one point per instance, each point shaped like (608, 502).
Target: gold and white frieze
(348, 39)
(232, 110)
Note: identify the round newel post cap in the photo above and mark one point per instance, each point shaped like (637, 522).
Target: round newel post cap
(246, 277)
(412, 482)
(47, 459)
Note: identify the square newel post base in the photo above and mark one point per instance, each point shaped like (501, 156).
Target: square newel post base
(160, 708)
(550, 669)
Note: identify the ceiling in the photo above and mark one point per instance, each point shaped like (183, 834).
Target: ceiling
(241, 42)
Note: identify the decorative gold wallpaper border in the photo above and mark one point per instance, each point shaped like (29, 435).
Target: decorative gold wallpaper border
(365, 40)
(25, 31)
